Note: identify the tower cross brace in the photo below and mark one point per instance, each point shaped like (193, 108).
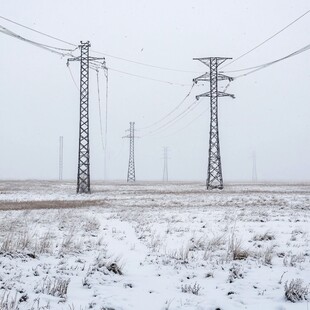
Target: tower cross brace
(61, 154)
(83, 175)
(165, 171)
(131, 173)
(215, 177)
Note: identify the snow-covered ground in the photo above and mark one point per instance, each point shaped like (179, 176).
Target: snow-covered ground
(153, 246)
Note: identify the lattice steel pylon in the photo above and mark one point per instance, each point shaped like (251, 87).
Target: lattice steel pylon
(61, 156)
(215, 178)
(131, 174)
(83, 175)
(165, 171)
(254, 171)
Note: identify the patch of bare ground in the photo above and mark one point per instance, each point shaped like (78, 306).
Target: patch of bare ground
(52, 204)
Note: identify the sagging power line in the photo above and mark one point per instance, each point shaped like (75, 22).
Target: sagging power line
(268, 39)
(104, 54)
(56, 50)
(265, 65)
(171, 112)
(175, 119)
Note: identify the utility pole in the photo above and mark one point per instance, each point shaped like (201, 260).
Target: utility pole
(131, 174)
(215, 178)
(165, 171)
(61, 154)
(83, 175)
(254, 171)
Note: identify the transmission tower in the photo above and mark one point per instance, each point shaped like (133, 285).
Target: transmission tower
(61, 154)
(131, 174)
(254, 171)
(83, 175)
(165, 171)
(215, 178)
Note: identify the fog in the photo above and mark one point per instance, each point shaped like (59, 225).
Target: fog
(269, 116)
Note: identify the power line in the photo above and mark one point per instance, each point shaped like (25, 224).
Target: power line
(52, 49)
(106, 73)
(98, 52)
(263, 66)
(72, 77)
(188, 124)
(93, 65)
(148, 78)
(190, 108)
(268, 39)
(194, 119)
(34, 30)
(144, 64)
(100, 116)
(173, 110)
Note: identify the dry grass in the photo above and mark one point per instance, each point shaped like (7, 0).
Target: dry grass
(51, 204)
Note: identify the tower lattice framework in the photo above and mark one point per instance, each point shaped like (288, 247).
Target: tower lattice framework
(165, 170)
(83, 175)
(131, 174)
(215, 177)
(61, 156)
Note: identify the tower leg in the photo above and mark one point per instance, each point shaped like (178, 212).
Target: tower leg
(83, 177)
(215, 178)
(131, 174)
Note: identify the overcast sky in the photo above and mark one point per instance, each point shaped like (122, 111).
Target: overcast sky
(270, 115)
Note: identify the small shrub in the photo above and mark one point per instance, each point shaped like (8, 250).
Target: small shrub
(235, 272)
(181, 254)
(295, 291)
(57, 287)
(268, 255)
(91, 224)
(267, 236)
(192, 289)
(113, 267)
(44, 245)
(235, 250)
(294, 260)
(7, 302)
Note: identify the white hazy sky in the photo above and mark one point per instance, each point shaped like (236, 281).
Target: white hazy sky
(270, 115)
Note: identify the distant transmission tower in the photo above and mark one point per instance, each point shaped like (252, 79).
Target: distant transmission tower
(254, 171)
(131, 174)
(83, 176)
(61, 156)
(165, 172)
(215, 178)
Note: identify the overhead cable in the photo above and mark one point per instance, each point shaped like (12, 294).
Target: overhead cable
(263, 66)
(100, 115)
(148, 78)
(52, 49)
(268, 39)
(188, 124)
(98, 52)
(189, 109)
(144, 64)
(72, 77)
(172, 111)
(34, 30)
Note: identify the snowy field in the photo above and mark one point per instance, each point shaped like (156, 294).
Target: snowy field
(154, 246)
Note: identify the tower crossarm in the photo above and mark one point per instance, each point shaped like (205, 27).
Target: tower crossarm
(219, 94)
(206, 78)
